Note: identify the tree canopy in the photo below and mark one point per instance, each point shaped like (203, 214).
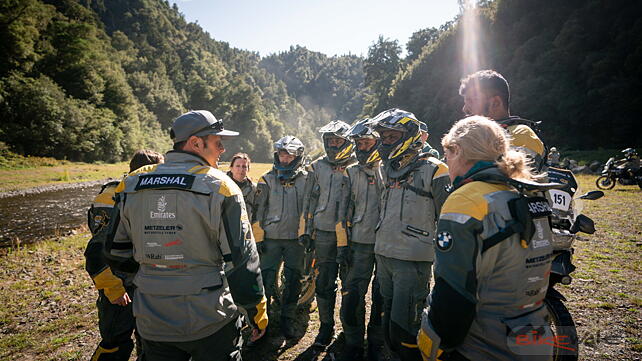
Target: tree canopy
(97, 79)
(574, 65)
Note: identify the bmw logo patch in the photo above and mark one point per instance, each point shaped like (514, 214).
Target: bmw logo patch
(444, 241)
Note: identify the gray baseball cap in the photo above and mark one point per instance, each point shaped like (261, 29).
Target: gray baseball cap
(423, 126)
(199, 123)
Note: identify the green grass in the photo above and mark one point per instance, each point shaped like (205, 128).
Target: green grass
(32, 172)
(69, 172)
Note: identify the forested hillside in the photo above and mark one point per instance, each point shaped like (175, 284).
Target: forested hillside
(574, 65)
(97, 79)
(330, 87)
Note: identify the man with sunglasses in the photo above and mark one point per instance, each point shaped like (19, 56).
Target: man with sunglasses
(185, 224)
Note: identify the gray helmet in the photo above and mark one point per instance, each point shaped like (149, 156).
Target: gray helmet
(337, 128)
(294, 147)
(290, 144)
(365, 129)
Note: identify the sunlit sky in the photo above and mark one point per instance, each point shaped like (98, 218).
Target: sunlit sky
(333, 27)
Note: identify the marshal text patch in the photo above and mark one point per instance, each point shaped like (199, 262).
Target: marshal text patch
(164, 181)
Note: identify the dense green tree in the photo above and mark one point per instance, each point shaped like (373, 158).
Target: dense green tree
(419, 40)
(573, 65)
(381, 67)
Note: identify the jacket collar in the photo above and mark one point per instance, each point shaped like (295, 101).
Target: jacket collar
(241, 183)
(181, 156)
(478, 167)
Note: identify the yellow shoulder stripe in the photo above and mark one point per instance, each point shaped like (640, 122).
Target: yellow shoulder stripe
(142, 170)
(442, 168)
(228, 188)
(120, 187)
(105, 198)
(469, 199)
(524, 136)
(199, 169)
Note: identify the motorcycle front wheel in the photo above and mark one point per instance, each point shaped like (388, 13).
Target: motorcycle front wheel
(561, 322)
(605, 182)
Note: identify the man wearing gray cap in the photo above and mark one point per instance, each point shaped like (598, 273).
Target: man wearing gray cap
(423, 127)
(185, 224)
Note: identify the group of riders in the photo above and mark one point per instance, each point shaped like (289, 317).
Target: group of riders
(194, 253)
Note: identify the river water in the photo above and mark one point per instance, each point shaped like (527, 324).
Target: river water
(33, 217)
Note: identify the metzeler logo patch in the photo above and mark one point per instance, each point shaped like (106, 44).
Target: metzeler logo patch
(160, 181)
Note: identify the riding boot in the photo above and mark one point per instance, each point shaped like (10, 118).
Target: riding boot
(351, 353)
(326, 333)
(287, 328)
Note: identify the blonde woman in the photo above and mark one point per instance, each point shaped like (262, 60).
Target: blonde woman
(490, 279)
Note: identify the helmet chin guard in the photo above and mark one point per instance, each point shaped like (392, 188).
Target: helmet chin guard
(342, 153)
(365, 129)
(293, 146)
(399, 152)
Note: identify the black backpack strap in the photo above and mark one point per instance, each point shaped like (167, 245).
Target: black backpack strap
(523, 210)
(418, 188)
(418, 191)
(510, 229)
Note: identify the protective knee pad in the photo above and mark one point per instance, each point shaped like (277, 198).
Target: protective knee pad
(292, 286)
(326, 310)
(269, 282)
(326, 283)
(376, 307)
(349, 305)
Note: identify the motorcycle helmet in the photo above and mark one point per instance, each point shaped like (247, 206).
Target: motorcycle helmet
(337, 129)
(629, 152)
(403, 150)
(364, 129)
(293, 146)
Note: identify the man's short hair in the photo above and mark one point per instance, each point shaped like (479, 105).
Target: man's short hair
(488, 81)
(145, 157)
(182, 144)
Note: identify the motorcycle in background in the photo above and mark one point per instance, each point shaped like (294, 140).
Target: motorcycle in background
(567, 221)
(617, 172)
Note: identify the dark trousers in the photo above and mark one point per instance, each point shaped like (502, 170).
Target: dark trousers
(353, 302)
(116, 324)
(224, 344)
(326, 282)
(404, 287)
(291, 252)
